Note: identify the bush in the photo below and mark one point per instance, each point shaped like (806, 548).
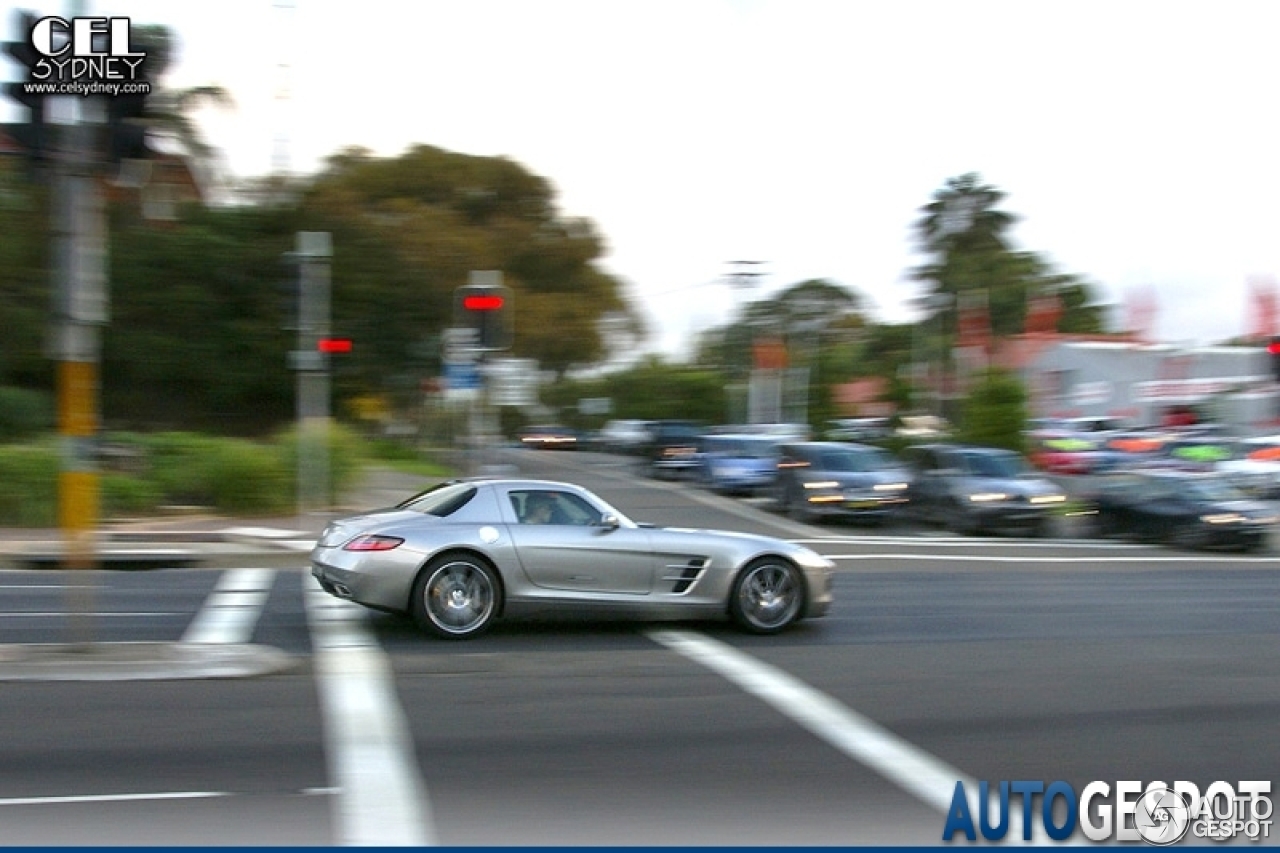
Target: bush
(29, 474)
(24, 413)
(123, 495)
(346, 455)
(229, 475)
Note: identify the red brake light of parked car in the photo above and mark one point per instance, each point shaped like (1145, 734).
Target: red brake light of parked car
(370, 542)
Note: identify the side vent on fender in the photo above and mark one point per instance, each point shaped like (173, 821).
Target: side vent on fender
(681, 576)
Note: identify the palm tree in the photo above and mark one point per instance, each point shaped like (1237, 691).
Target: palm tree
(963, 218)
(170, 113)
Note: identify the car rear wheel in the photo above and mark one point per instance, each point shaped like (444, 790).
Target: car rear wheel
(767, 596)
(456, 597)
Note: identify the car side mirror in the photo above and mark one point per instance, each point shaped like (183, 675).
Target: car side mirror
(609, 521)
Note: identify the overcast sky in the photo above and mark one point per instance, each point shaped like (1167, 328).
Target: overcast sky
(1137, 141)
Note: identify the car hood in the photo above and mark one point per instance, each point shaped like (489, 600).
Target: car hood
(864, 479)
(1249, 509)
(1023, 486)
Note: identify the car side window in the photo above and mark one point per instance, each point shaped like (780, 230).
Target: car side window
(543, 506)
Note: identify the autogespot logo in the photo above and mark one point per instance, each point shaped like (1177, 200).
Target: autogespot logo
(1162, 816)
(1158, 814)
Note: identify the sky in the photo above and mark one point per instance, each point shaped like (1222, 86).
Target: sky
(1136, 141)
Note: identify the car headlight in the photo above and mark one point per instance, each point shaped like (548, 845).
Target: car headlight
(813, 560)
(988, 497)
(1048, 499)
(822, 484)
(890, 487)
(1223, 518)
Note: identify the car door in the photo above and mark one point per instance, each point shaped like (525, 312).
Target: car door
(576, 552)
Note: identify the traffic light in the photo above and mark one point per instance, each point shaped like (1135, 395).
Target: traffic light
(30, 134)
(126, 133)
(486, 309)
(334, 346)
(1273, 357)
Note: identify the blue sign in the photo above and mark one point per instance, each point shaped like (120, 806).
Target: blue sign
(461, 377)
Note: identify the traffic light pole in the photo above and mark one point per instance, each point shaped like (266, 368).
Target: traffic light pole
(80, 310)
(314, 254)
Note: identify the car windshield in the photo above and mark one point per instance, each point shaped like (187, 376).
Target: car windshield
(442, 500)
(854, 461)
(1214, 490)
(741, 448)
(998, 465)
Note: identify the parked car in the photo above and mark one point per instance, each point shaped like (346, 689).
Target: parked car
(826, 479)
(973, 490)
(466, 552)
(1255, 467)
(624, 436)
(1185, 508)
(672, 448)
(858, 430)
(735, 464)
(1061, 452)
(549, 437)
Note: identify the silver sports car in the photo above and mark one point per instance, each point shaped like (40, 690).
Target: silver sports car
(460, 555)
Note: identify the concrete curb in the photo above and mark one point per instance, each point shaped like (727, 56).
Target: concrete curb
(139, 661)
(143, 550)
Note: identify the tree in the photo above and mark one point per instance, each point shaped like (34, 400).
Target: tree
(995, 412)
(170, 113)
(965, 237)
(434, 216)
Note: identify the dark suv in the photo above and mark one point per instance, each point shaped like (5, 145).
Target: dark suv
(979, 489)
(673, 448)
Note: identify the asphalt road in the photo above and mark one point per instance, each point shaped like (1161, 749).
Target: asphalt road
(943, 659)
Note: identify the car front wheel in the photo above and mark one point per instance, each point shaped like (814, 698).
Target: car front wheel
(767, 597)
(456, 597)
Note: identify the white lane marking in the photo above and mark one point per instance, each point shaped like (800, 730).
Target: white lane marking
(380, 797)
(112, 798)
(53, 614)
(920, 774)
(970, 542)
(991, 558)
(232, 609)
(132, 798)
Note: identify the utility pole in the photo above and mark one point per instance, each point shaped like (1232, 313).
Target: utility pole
(80, 310)
(743, 277)
(313, 254)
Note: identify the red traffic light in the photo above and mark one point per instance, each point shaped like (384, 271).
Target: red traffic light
(482, 302)
(334, 345)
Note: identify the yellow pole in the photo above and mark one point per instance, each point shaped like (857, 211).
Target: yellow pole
(78, 483)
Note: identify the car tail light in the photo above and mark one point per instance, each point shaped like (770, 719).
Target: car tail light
(370, 542)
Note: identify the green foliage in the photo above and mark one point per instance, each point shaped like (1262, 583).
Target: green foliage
(24, 413)
(126, 495)
(995, 412)
(29, 474)
(966, 237)
(232, 475)
(650, 390)
(229, 475)
(346, 454)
